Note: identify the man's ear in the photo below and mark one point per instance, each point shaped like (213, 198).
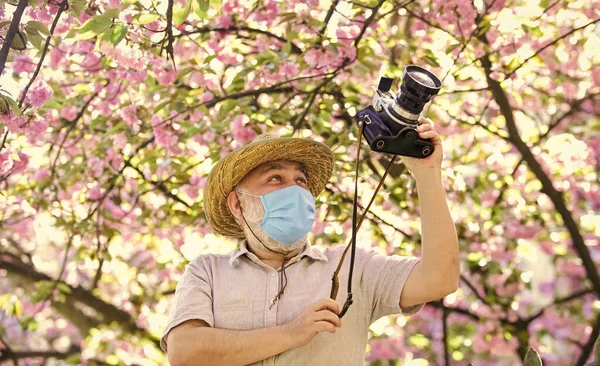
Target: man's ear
(233, 202)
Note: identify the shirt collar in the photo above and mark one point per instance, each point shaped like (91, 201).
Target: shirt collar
(308, 251)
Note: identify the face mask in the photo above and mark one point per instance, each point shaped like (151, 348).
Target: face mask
(289, 214)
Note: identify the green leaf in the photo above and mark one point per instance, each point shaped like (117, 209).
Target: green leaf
(33, 3)
(532, 358)
(430, 60)
(13, 105)
(145, 18)
(118, 33)
(41, 27)
(181, 14)
(18, 308)
(97, 25)
(597, 351)
(36, 40)
(4, 23)
(77, 6)
(452, 47)
(200, 7)
(63, 287)
(19, 41)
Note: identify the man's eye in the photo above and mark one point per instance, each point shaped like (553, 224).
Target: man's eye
(275, 177)
(302, 180)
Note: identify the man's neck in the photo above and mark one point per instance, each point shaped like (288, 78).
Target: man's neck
(271, 259)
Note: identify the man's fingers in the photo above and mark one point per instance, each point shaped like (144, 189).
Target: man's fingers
(329, 317)
(324, 326)
(427, 134)
(326, 304)
(427, 121)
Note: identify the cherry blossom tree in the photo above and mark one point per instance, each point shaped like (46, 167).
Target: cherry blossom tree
(112, 113)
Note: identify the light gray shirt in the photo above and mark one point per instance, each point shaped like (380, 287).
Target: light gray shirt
(235, 292)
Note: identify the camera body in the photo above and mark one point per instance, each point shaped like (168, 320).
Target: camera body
(390, 123)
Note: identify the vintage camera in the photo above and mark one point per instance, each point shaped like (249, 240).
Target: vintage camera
(390, 123)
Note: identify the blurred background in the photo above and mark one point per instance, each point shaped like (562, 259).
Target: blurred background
(113, 112)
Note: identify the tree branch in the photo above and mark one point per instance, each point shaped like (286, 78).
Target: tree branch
(61, 8)
(12, 31)
(546, 46)
(107, 313)
(547, 186)
(169, 30)
(7, 354)
(589, 346)
(295, 49)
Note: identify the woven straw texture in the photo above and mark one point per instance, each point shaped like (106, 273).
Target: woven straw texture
(229, 171)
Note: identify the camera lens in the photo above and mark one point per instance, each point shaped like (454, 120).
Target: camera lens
(417, 88)
(422, 78)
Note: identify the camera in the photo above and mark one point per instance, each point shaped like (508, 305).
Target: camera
(390, 123)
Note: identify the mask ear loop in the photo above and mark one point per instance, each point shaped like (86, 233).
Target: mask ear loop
(355, 227)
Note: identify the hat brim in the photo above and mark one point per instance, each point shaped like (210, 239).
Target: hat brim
(317, 158)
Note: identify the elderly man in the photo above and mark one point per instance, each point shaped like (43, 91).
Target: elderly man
(268, 302)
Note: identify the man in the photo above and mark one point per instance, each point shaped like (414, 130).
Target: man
(267, 303)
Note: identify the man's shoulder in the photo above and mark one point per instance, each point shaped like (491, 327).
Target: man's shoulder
(211, 259)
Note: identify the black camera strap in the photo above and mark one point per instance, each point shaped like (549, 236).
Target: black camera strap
(335, 283)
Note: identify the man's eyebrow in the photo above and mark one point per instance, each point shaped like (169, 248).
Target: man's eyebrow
(277, 166)
(270, 166)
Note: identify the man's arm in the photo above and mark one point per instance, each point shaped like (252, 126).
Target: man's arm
(438, 273)
(195, 342)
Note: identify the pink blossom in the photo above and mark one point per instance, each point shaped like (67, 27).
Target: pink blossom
(205, 138)
(596, 76)
(96, 166)
(570, 268)
(224, 21)
(289, 69)
(120, 140)
(234, 7)
(113, 209)
(197, 181)
(517, 231)
(69, 112)
(206, 97)
(39, 95)
(347, 34)
(6, 162)
(191, 191)
(268, 13)
(37, 127)
(23, 63)
(13, 123)
(23, 227)
(164, 77)
(318, 227)
(129, 114)
(312, 57)
(41, 174)
(21, 163)
(164, 137)
(95, 193)
(240, 133)
(115, 159)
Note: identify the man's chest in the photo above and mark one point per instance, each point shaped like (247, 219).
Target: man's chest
(248, 299)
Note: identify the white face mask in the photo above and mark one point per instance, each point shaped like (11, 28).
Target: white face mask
(253, 213)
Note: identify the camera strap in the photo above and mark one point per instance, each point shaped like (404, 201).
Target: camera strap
(335, 283)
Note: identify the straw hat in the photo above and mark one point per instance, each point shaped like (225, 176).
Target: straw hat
(316, 157)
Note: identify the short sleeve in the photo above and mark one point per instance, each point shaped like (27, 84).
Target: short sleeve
(193, 299)
(383, 279)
